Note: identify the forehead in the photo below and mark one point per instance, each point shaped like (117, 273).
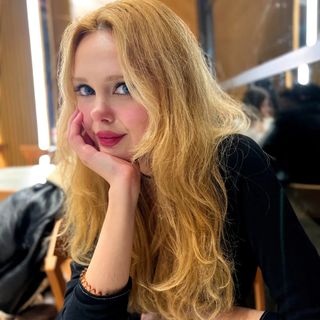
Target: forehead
(96, 49)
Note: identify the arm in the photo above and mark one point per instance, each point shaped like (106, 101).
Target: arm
(236, 313)
(273, 235)
(243, 314)
(108, 271)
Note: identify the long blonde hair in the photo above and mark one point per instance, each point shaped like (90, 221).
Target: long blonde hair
(180, 268)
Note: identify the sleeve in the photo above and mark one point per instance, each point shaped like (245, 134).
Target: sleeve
(270, 316)
(81, 304)
(289, 262)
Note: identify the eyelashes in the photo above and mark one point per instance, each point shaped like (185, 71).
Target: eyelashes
(84, 90)
(119, 88)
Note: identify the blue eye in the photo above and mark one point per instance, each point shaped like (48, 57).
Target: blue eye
(121, 89)
(84, 90)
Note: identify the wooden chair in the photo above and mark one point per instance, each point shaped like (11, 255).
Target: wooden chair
(31, 153)
(3, 162)
(305, 199)
(258, 291)
(57, 267)
(5, 194)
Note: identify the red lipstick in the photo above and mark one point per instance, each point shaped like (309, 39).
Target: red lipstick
(109, 138)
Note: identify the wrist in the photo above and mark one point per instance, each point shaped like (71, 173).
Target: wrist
(124, 193)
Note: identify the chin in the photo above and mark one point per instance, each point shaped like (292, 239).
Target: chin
(114, 153)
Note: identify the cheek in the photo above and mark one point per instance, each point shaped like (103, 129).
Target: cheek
(137, 121)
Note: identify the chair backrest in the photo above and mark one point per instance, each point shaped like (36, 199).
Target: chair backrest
(3, 162)
(57, 266)
(305, 198)
(258, 291)
(5, 194)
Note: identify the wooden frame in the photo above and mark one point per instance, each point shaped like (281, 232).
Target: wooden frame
(258, 291)
(57, 267)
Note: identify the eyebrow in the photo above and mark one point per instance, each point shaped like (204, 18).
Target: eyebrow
(107, 79)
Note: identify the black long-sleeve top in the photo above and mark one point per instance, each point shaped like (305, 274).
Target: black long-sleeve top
(261, 230)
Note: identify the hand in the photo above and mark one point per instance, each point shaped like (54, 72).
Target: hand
(114, 170)
(236, 313)
(147, 316)
(240, 313)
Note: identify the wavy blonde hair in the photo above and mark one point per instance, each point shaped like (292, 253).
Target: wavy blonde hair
(180, 269)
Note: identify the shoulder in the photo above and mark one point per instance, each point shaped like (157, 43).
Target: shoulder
(241, 155)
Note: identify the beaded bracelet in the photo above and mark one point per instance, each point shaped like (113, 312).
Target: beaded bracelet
(86, 285)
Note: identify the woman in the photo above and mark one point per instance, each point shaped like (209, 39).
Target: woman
(258, 107)
(168, 211)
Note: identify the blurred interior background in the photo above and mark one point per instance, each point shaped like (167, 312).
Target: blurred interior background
(271, 43)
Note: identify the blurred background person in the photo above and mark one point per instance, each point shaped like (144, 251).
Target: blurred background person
(294, 139)
(259, 109)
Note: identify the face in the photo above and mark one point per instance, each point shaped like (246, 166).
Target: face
(112, 118)
(266, 109)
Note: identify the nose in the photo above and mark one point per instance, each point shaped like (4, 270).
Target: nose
(102, 111)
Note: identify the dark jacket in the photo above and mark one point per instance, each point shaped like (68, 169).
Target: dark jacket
(26, 220)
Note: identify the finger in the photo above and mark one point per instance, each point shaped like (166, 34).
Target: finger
(87, 139)
(71, 118)
(76, 139)
(75, 125)
(73, 115)
(147, 316)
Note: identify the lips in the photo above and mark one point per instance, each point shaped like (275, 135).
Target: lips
(109, 138)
